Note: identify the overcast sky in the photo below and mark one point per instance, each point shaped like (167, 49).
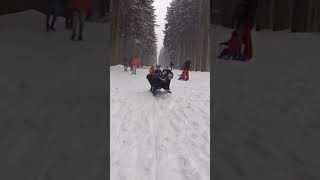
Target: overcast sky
(161, 11)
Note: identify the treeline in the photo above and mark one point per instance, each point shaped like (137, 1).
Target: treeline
(187, 33)
(133, 31)
(296, 15)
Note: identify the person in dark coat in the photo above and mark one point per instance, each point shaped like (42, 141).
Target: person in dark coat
(243, 21)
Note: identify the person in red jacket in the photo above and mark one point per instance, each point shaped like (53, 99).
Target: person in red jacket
(151, 70)
(80, 9)
(134, 63)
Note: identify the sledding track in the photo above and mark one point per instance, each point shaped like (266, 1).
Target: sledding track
(158, 138)
(266, 121)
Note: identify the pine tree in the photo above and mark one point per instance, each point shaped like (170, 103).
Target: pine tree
(187, 32)
(133, 31)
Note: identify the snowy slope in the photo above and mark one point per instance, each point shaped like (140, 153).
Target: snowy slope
(159, 138)
(53, 100)
(266, 121)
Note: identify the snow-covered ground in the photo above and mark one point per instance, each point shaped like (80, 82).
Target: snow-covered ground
(53, 100)
(266, 120)
(159, 138)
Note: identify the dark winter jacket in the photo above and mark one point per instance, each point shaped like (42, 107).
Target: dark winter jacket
(244, 14)
(160, 81)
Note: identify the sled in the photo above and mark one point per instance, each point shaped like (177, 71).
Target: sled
(159, 92)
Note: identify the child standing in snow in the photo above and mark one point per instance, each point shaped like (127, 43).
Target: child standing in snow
(171, 65)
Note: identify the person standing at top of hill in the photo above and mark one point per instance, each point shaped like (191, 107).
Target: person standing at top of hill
(80, 9)
(51, 11)
(151, 70)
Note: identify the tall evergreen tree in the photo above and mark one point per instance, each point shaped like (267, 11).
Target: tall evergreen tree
(133, 33)
(187, 32)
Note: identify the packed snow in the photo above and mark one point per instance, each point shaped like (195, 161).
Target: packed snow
(53, 100)
(266, 121)
(166, 137)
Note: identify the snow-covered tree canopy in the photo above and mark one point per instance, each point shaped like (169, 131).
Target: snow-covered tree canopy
(186, 31)
(139, 23)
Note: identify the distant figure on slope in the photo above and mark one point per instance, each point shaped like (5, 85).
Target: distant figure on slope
(158, 70)
(125, 67)
(151, 70)
(233, 48)
(134, 63)
(80, 9)
(243, 21)
(185, 73)
(171, 65)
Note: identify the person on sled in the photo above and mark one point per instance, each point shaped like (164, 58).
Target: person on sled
(151, 70)
(185, 73)
(158, 81)
(243, 21)
(233, 49)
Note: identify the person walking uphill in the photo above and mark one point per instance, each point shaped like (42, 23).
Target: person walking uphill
(80, 9)
(151, 70)
(243, 21)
